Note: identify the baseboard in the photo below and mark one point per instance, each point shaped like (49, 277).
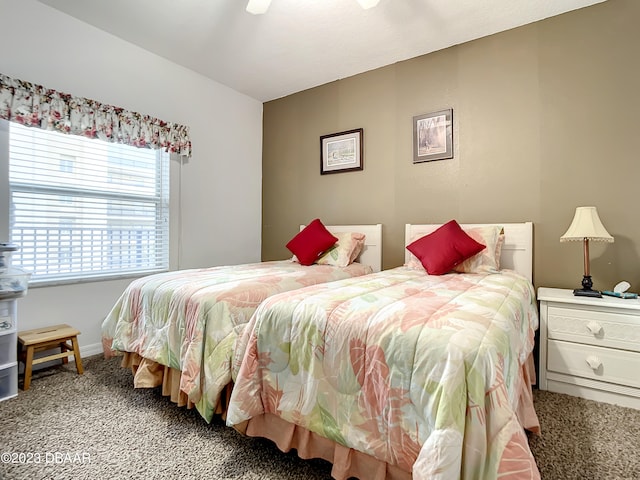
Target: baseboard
(90, 350)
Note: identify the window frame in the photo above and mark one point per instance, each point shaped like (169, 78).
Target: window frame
(162, 212)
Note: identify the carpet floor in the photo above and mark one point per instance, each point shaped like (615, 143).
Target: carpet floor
(93, 426)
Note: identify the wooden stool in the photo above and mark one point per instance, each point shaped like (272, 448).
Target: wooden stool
(48, 338)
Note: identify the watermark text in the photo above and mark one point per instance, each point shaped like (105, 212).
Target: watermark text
(52, 458)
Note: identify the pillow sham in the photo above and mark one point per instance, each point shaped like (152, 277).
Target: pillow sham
(488, 260)
(440, 251)
(311, 242)
(345, 251)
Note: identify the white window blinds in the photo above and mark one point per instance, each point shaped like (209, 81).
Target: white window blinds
(84, 208)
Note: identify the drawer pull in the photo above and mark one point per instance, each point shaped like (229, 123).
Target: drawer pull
(594, 327)
(594, 362)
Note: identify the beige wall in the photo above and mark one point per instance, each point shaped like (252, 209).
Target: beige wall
(546, 118)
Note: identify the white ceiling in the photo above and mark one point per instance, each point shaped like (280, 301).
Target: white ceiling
(299, 44)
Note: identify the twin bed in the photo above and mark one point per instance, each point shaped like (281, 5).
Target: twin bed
(178, 329)
(394, 374)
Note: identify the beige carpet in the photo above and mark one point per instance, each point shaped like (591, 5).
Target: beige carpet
(96, 426)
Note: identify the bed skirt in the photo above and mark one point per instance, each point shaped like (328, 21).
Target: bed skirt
(526, 412)
(150, 374)
(346, 462)
(349, 463)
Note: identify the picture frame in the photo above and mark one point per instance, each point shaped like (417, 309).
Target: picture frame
(433, 136)
(341, 152)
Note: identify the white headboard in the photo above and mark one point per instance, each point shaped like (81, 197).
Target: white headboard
(372, 252)
(517, 250)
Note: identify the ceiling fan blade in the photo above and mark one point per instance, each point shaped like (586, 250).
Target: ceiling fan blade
(366, 4)
(258, 7)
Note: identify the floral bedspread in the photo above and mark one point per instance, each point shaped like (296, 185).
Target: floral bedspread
(190, 319)
(423, 372)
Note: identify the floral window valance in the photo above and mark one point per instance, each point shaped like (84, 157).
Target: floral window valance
(36, 106)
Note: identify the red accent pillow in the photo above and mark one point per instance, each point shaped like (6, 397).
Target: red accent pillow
(311, 242)
(444, 248)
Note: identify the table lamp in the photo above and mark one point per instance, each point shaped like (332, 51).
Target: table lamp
(586, 225)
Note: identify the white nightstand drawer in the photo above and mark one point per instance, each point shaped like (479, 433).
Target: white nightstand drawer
(602, 364)
(593, 327)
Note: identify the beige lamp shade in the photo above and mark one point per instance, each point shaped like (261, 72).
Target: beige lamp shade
(586, 225)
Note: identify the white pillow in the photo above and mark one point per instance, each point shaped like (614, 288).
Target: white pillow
(488, 260)
(345, 251)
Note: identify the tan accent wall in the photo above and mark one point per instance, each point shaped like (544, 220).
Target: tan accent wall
(546, 118)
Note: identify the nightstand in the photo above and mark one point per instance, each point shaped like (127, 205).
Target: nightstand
(590, 347)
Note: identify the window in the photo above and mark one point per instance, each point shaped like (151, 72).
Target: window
(84, 209)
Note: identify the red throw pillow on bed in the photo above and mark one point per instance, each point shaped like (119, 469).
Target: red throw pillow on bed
(444, 248)
(311, 242)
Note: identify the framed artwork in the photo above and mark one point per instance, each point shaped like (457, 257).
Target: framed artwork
(433, 136)
(341, 152)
